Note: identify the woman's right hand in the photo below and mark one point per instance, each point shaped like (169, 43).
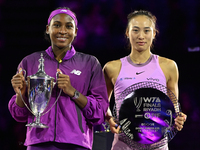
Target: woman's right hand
(18, 83)
(114, 127)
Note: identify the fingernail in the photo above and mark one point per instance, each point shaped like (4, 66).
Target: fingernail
(59, 71)
(20, 70)
(116, 125)
(119, 126)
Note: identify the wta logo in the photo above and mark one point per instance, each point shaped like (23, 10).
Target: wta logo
(137, 103)
(147, 102)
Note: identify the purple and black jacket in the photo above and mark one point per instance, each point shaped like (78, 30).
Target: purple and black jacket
(67, 122)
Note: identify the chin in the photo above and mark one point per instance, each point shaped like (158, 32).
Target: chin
(62, 46)
(140, 50)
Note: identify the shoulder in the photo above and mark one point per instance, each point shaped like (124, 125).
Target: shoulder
(112, 68)
(169, 68)
(113, 65)
(35, 55)
(87, 60)
(31, 60)
(86, 57)
(167, 63)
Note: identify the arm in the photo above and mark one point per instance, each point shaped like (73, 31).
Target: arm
(97, 105)
(111, 71)
(65, 84)
(16, 106)
(172, 78)
(170, 70)
(93, 104)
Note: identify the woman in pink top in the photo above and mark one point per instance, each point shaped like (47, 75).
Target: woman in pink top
(141, 31)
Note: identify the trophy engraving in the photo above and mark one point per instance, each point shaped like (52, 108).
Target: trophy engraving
(137, 105)
(40, 86)
(146, 112)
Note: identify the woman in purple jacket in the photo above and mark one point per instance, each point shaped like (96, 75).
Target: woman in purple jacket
(83, 101)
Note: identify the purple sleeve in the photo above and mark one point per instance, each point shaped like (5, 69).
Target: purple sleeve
(20, 114)
(97, 105)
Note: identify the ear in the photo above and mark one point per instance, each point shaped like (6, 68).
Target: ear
(154, 34)
(47, 29)
(127, 33)
(76, 30)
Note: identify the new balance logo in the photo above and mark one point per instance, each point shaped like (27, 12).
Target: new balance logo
(76, 72)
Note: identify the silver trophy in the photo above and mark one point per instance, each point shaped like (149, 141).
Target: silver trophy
(40, 86)
(146, 112)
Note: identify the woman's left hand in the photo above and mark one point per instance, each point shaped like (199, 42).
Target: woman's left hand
(65, 84)
(179, 121)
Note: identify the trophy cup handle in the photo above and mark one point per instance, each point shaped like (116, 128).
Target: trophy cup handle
(21, 93)
(54, 83)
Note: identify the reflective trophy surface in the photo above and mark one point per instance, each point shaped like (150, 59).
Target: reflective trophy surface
(146, 112)
(40, 87)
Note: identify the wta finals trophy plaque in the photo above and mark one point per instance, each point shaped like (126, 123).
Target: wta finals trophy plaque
(146, 112)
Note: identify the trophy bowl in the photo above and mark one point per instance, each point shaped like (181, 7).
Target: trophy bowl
(39, 89)
(146, 112)
(39, 94)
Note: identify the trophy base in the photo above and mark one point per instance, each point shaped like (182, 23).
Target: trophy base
(37, 125)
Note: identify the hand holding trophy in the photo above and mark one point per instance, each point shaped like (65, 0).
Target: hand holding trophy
(39, 88)
(146, 112)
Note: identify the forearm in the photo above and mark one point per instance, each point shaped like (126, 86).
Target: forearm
(81, 101)
(19, 101)
(108, 114)
(18, 113)
(95, 109)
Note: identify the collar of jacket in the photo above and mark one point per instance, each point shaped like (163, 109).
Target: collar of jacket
(69, 54)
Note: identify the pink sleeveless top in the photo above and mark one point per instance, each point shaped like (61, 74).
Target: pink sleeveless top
(131, 73)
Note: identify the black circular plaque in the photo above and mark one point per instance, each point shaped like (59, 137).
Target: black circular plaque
(146, 112)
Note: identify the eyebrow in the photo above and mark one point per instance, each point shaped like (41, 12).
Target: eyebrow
(70, 22)
(138, 27)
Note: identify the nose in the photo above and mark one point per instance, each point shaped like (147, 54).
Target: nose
(63, 30)
(141, 35)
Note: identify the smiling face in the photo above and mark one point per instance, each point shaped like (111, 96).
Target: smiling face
(140, 32)
(62, 31)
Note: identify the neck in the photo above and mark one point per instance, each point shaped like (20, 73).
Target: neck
(140, 57)
(59, 53)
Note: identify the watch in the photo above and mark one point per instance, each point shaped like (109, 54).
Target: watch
(76, 95)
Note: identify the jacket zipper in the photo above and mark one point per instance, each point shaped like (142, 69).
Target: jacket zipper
(56, 108)
(77, 109)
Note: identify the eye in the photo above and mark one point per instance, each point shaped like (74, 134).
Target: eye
(146, 31)
(56, 25)
(69, 26)
(135, 30)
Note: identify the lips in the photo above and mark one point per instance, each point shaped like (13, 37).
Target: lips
(141, 43)
(62, 39)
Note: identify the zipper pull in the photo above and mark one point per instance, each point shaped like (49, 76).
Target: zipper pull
(60, 61)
